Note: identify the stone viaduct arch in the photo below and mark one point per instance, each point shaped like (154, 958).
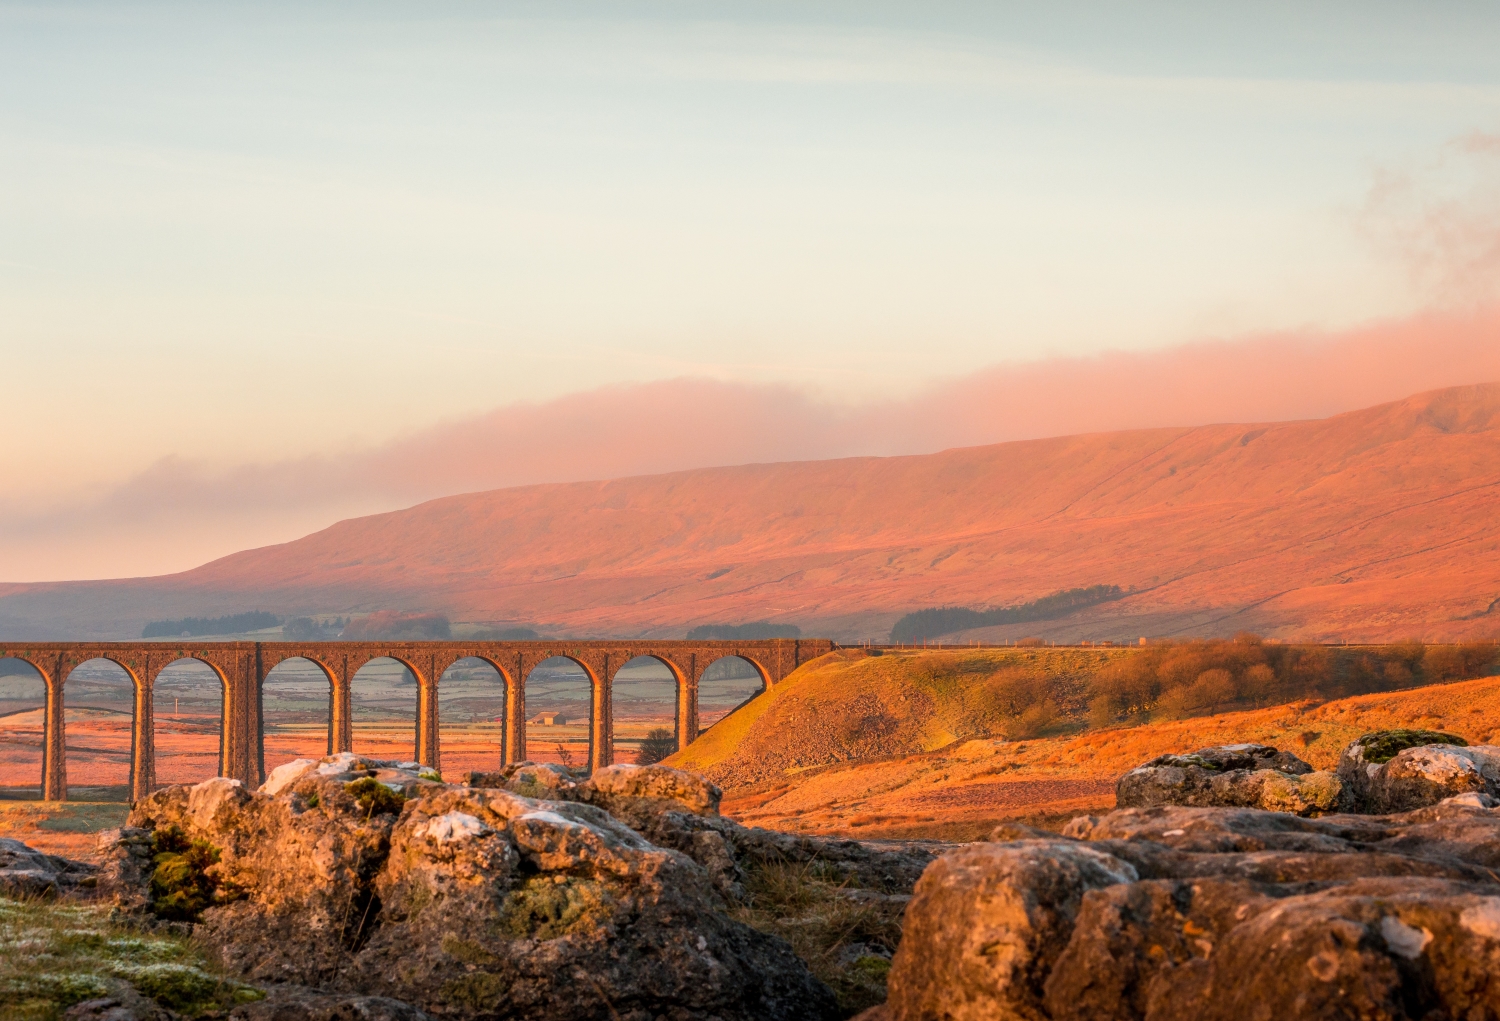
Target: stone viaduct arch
(242, 669)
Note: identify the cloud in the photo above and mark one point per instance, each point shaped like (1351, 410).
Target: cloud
(178, 514)
(1442, 219)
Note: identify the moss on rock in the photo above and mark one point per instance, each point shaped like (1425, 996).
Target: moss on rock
(543, 908)
(181, 886)
(480, 990)
(1384, 745)
(184, 987)
(374, 797)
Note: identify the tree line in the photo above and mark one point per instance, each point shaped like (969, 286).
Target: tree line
(944, 620)
(1176, 680)
(743, 632)
(234, 624)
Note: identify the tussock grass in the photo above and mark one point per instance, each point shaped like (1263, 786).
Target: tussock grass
(56, 954)
(845, 934)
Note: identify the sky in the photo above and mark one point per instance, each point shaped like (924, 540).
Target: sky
(267, 265)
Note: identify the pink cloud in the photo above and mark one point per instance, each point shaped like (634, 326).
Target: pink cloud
(179, 514)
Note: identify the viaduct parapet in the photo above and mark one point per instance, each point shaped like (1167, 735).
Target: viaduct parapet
(242, 668)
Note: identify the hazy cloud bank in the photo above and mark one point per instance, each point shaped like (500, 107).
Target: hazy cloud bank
(178, 514)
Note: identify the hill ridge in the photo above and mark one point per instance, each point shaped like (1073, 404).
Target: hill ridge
(1367, 525)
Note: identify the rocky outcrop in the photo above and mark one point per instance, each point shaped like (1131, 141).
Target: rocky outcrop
(680, 810)
(1170, 913)
(1400, 770)
(356, 877)
(1001, 914)
(1234, 776)
(25, 872)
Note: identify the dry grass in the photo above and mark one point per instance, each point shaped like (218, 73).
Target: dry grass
(845, 935)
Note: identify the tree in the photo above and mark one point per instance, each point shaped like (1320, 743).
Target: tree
(657, 745)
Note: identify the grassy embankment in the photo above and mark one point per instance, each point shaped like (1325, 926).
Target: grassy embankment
(910, 745)
(53, 955)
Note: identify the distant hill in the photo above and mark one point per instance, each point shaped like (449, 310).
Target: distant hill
(1375, 525)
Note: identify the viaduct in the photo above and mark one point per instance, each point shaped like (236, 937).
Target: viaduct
(242, 668)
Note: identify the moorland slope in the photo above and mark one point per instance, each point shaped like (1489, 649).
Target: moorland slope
(961, 790)
(1368, 526)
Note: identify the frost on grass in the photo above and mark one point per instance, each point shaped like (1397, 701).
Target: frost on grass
(55, 955)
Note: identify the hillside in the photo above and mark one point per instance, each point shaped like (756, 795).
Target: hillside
(847, 706)
(1370, 526)
(961, 791)
(854, 704)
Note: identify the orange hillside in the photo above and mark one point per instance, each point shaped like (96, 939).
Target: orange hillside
(1372, 526)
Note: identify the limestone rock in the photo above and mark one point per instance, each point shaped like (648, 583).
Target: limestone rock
(1362, 759)
(1233, 776)
(638, 792)
(987, 922)
(26, 872)
(679, 810)
(1398, 771)
(355, 877)
(125, 865)
(529, 779)
(1226, 914)
(1227, 950)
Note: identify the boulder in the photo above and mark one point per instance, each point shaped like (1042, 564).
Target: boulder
(1214, 913)
(639, 792)
(26, 872)
(529, 779)
(355, 877)
(985, 926)
(1233, 776)
(1402, 770)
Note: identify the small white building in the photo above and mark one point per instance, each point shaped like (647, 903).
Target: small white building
(550, 719)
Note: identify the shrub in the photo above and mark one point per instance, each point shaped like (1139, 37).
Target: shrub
(658, 744)
(396, 624)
